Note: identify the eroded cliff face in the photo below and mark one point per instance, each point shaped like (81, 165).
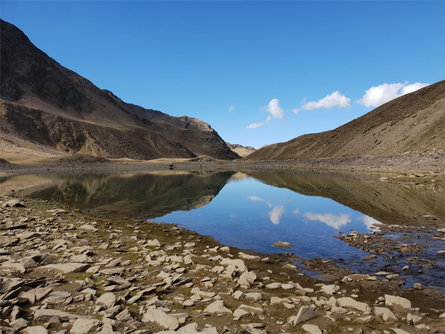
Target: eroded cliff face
(45, 103)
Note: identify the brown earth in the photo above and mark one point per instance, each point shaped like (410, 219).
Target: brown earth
(411, 124)
(43, 103)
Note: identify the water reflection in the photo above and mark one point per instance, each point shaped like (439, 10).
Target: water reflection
(276, 213)
(252, 212)
(335, 221)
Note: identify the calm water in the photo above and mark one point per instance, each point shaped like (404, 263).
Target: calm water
(254, 211)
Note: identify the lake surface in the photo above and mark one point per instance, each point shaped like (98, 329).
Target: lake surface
(254, 211)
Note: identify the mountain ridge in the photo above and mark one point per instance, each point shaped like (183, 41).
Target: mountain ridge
(55, 99)
(410, 124)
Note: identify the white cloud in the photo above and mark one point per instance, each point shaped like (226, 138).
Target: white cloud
(259, 199)
(275, 214)
(296, 211)
(274, 109)
(231, 108)
(369, 222)
(335, 221)
(257, 125)
(413, 87)
(378, 95)
(256, 199)
(334, 99)
(295, 111)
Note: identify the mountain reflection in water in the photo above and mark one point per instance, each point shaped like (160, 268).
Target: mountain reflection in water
(254, 210)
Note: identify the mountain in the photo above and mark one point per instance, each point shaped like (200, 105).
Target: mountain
(44, 103)
(243, 151)
(412, 123)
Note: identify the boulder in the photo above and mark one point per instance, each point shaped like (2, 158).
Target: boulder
(391, 300)
(282, 244)
(217, 307)
(348, 302)
(35, 330)
(312, 329)
(384, 313)
(246, 279)
(84, 326)
(108, 299)
(161, 318)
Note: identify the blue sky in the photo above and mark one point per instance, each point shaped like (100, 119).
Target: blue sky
(257, 72)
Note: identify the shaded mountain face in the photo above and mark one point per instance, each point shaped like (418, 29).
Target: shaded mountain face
(46, 103)
(413, 123)
(137, 196)
(389, 203)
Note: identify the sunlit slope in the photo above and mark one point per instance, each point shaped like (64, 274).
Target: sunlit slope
(413, 123)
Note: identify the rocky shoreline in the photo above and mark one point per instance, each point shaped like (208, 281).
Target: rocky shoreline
(65, 271)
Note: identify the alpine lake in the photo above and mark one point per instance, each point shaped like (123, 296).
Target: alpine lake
(364, 224)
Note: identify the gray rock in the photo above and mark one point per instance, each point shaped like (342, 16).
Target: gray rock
(312, 329)
(391, 300)
(13, 203)
(108, 299)
(282, 244)
(44, 315)
(246, 279)
(66, 268)
(35, 330)
(385, 313)
(161, 318)
(305, 313)
(217, 307)
(348, 302)
(57, 297)
(84, 326)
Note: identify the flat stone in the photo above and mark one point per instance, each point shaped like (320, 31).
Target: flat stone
(14, 203)
(35, 330)
(348, 302)
(161, 318)
(88, 227)
(312, 329)
(84, 326)
(282, 244)
(329, 289)
(57, 297)
(108, 299)
(217, 307)
(239, 313)
(256, 296)
(66, 268)
(153, 243)
(385, 313)
(391, 300)
(400, 331)
(44, 315)
(239, 264)
(246, 279)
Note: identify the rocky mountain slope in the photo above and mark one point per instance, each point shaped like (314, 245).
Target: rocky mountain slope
(242, 151)
(45, 103)
(413, 123)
